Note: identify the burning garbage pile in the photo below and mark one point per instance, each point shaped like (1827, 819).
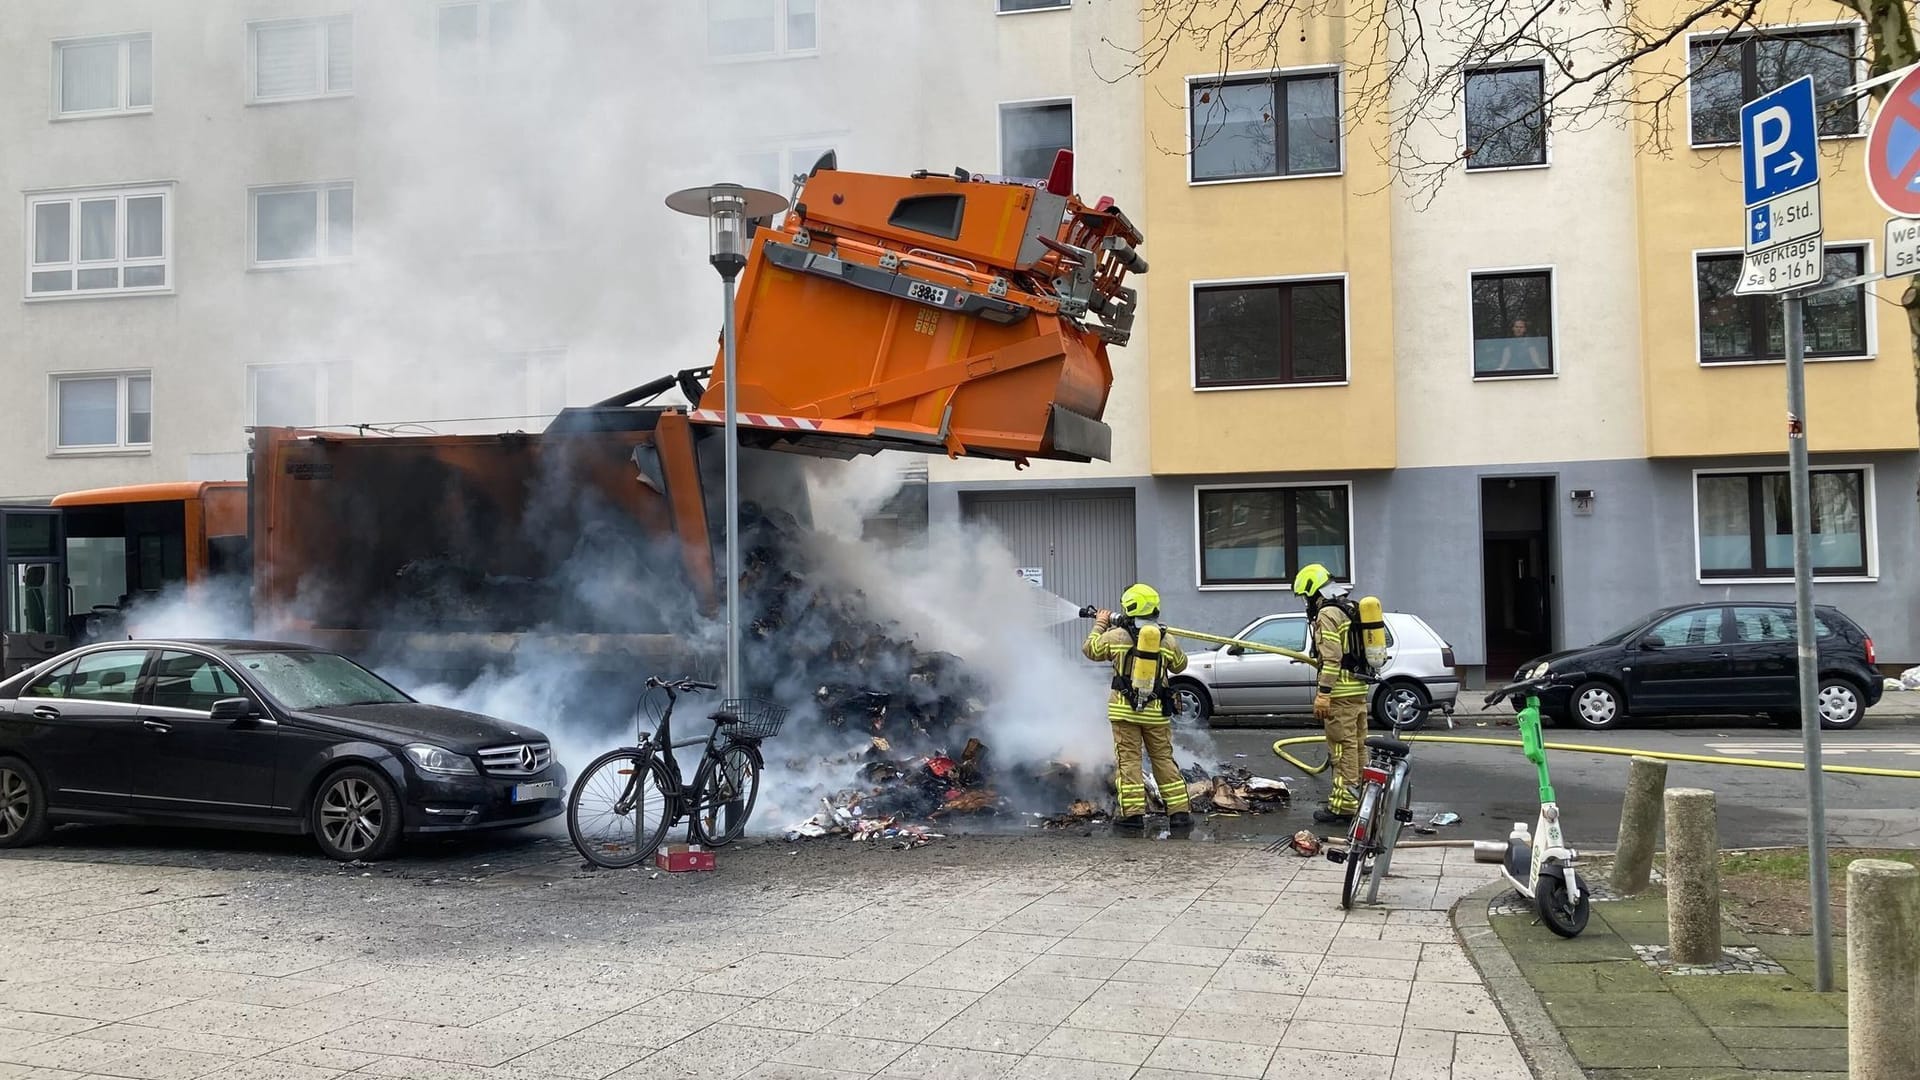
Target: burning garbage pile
(891, 736)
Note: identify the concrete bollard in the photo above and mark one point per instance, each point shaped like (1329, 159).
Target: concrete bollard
(1639, 826)
(1883, 970)
(1693, 877)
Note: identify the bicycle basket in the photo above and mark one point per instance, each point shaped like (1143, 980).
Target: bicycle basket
(759, 718)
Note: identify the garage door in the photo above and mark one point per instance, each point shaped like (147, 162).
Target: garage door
(1082, 543)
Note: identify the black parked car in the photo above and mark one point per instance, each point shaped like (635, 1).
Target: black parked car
(1712, 659)
(256, 735)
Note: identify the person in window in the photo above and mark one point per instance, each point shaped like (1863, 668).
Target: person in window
(1522, 351)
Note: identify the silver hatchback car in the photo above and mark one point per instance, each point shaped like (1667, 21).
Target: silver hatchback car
(1231, 681)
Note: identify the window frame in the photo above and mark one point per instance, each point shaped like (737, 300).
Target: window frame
(1870, 321)
(1000, 120)
(1553, 316)
(780, 50)
(326, 24)
(1280, 74)
(1199, 535)
(74, 197)
(1869, 524)
(320, 190)
(327, 375)
(59, 113)
(1193, 330)
(1057, 5)
(1539, 68)
(149, 695)
(122, 398)
(1780, 30)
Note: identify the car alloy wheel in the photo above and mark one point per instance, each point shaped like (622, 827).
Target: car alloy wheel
(352, 815)
(1596, 706)
(16, 804)
(1396, 704)
(1189, 703)
(1838, 705)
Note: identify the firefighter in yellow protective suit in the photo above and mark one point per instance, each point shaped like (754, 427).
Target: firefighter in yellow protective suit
(1340, 701)
(1137, 706)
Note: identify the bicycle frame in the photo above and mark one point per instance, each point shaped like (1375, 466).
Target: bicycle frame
(660, 742)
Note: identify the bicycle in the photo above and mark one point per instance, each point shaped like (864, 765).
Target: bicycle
(1386, 796)
(632, 795)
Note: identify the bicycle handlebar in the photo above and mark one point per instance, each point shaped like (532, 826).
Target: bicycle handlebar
(683, 686)
(1528, 687)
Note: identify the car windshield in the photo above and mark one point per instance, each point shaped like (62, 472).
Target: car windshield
(1626, 631)
(317, 680)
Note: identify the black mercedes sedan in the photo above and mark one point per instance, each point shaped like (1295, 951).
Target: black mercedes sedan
(256, 735)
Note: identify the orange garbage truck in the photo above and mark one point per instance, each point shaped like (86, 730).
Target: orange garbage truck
(933, 313)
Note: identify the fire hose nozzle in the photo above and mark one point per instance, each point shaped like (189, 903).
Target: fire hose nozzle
(1089, 611)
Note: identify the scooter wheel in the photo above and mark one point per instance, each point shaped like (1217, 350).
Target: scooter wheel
(1563, 918)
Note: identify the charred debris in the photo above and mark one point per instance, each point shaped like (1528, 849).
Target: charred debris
(906, 724)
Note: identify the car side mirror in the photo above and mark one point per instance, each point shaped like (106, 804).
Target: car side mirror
(234, 708)
(1234, 650)
(1652, 642)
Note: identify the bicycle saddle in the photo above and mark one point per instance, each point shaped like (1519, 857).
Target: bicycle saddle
(1387, 744)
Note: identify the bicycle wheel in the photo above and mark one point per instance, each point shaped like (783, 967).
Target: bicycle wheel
(1561, 917)
(619, 809)
(726, 787)
(1357, 848)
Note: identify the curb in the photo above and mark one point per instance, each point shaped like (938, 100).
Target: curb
(1533, 1030)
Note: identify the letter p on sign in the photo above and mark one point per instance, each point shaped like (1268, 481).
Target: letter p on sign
(1779, 144)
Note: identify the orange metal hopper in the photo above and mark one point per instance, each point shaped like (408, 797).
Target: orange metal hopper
(943, 314)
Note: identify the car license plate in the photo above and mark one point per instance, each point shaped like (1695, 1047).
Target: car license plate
(534, 792)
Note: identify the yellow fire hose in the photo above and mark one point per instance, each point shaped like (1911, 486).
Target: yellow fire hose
(1254, 646)
(1617, 751)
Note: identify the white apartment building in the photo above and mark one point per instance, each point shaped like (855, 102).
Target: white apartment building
(446, 215)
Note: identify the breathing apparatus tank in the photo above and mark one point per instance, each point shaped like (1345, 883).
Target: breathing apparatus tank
(1373, 627)
(1143, 673)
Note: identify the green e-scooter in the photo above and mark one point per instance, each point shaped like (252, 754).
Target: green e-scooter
(1542, 866)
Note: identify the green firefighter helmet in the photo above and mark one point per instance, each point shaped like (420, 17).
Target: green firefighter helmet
(1140, 600)
(1310, 580)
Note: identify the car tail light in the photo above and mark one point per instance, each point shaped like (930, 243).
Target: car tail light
(1446, 657)
(1372, 775)
(1872, 658)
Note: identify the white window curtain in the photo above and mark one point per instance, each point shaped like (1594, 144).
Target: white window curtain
(287, 61)
(90, 77)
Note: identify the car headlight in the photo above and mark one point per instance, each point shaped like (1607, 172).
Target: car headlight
(1539, 670)
(438, 759)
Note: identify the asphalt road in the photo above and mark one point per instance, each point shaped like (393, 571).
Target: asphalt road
(1493, 787)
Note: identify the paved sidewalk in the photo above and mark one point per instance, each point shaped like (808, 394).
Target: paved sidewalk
(1035, 957)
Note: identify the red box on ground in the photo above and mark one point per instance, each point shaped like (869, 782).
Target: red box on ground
(680, 858)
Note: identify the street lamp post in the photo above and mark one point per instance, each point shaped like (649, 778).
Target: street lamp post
(728, 208)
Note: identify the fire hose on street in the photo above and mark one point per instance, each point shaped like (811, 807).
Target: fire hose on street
(1615, 751)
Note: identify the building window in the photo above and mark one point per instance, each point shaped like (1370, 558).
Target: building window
(1270, 126)
(751, 29)
(98, 242)
(1031, 134)
(1729, 70)
(295, 59)
(1512, 324)
(103, 412)
(480, 34)
(773, 168)
(296, 395)
(1263, 536)
(1748, 329)
(103, 76)
(1745, 524)
(302, 226)
(1506, 117)
(1270, 333)
(1009, 7)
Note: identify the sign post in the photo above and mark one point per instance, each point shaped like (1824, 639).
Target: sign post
(1780, 167)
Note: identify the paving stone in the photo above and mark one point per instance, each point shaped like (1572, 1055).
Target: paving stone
(1086, 1044)
(1135, 1019)
(787, 1014)
(842, 1052)
(1813, 1059)
(1762, 1038)
(1078, 946)
(1276, 1007)
(1211, 1058)
(1444, 1007)
(997, 1036)
(1228, 1027)
(1758, 1001)
(268, 1069)
(1332, 1010)
(1489, 1057)
(1045, 1068)
(720, 1051)
(1147, 994)
(775, 1070)
(1366, 1039)
(1291, 1063)
(1651, 1009)
(950, 1063)
(1000, 1005)
(578, 1058)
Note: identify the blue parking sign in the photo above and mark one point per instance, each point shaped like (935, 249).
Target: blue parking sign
(1779, 142)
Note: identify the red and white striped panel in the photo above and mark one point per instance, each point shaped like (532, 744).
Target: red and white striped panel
(763, 420)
